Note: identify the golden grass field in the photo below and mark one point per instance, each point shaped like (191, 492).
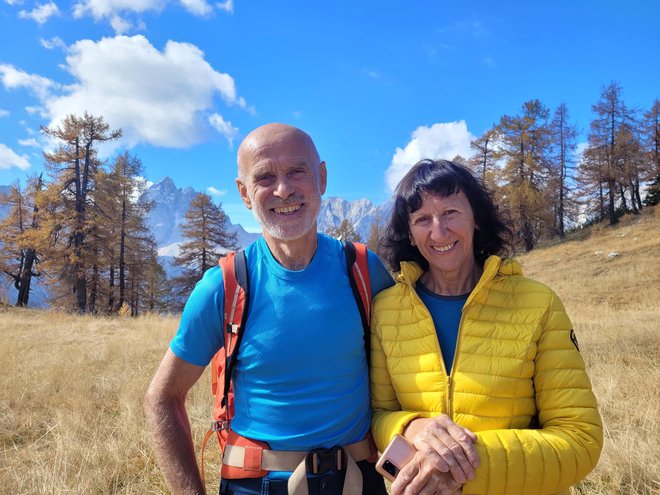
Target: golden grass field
(71, 417)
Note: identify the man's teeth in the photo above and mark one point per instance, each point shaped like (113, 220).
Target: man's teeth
(442, 249)
(287, 209)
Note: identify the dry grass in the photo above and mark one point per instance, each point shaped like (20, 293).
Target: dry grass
(71, 414)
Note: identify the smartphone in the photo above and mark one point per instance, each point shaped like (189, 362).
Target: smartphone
(397, 454)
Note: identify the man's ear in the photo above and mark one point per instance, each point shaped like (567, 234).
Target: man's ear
(242, 190)
(323, 178)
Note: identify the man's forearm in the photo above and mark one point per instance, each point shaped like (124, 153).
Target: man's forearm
(173, 445)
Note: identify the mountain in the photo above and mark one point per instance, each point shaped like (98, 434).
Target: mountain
(167, 215)
(361, 213)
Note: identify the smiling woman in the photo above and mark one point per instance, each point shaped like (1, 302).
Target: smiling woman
(499, 401)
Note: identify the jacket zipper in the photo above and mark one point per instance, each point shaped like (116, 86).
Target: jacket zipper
(450, 378)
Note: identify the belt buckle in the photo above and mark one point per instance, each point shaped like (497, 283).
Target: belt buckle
(320, 461)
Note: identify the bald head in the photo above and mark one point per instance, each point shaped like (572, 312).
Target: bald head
(270, 138)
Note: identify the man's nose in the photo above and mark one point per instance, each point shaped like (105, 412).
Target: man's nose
(283, 188)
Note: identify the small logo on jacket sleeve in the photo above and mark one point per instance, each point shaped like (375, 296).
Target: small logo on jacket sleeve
(574, 340)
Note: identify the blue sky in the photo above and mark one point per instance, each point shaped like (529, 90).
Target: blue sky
(377, 84)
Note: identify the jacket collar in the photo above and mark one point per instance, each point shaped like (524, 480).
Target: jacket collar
(493, 267)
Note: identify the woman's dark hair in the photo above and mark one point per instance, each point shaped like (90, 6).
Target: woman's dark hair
(443, 178)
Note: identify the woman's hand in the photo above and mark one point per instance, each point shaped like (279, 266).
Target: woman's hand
(446, 446)
(422, 477)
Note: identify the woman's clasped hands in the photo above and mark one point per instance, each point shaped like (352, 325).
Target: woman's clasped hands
(445, 460)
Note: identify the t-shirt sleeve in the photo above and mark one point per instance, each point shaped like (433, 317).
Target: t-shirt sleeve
(200, 333)
(378, 274)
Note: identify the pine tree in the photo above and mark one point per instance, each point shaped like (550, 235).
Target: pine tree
(376, 233)
(344, 232)
(207, 239)
(485, 157)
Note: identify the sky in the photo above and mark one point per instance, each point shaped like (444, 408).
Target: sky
(377, 84)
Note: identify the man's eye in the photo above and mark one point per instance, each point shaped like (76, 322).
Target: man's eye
(264, 179)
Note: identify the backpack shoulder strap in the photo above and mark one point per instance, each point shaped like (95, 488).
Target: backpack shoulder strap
(236, 284)
(357, 267)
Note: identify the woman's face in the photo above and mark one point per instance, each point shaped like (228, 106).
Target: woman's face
(443, 230)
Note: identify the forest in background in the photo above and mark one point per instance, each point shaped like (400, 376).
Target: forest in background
(82, 229)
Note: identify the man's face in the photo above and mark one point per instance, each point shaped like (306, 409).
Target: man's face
(282, 182)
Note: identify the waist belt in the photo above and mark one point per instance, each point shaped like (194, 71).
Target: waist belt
(317, 461)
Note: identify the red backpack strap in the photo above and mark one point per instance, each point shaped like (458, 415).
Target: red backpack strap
(357, 266)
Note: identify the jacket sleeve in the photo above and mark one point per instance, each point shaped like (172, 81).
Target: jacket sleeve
(387, 416)
(567, 444)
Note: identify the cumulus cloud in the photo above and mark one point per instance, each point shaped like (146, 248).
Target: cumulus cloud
(223, 127)
(440, 141)
(41, 13)
(156, 97)
(3, 112)
(9, 158)
(13, 78)
(216, 192)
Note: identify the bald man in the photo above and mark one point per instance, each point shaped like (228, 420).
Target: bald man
(300, 379)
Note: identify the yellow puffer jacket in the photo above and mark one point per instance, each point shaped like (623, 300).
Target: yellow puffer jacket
(517, 381)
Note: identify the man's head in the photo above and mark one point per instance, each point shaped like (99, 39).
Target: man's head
(281, 179)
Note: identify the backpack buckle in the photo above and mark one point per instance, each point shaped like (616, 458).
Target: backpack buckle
(219, 425)
(320, 461)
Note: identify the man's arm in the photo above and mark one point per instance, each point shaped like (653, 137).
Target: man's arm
(164, 407)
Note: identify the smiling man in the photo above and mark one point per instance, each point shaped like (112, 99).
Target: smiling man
(300, 378)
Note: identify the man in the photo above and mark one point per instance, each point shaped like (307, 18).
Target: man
(300, 379)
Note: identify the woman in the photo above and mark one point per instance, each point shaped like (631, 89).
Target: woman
(473, 363)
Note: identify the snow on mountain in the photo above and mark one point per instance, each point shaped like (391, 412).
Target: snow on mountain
(361, 213)
(167, 215)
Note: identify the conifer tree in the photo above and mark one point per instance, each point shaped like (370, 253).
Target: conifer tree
(525, 141)
(651, 142)
(344, 232)
(207, 238)
(483, 162)
(375, 236)
(611, 114)
(561, 166)
(19, 256)
(74, 167)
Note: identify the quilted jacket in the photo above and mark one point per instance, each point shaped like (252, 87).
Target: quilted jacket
(518, 380)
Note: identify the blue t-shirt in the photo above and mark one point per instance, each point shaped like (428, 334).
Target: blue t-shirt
(300, 378)
(446, 312)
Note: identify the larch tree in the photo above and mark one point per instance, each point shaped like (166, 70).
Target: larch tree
(74, 166)
(561, 166)
(611, 114)
(207, 238)
(19, 257)
(525, 141)
(484, 159)
(651, 142)
(344, 232)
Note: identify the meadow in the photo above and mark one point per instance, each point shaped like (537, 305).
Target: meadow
(71, 418)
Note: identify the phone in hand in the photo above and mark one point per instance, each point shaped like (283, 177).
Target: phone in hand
(397, 454)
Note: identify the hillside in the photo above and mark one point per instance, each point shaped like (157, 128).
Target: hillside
(71, 419)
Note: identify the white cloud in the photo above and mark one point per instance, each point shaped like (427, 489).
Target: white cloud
(216, 192)
(9, 158)
(440, 141)
(40, 14)
(223, 127)
(3, 112)
(197, 7)
(227, 6)
(14, 2)
(29, 142)
(101, 9)
(156, 97)
(13, 78)
(55, 42)
(120, 25)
